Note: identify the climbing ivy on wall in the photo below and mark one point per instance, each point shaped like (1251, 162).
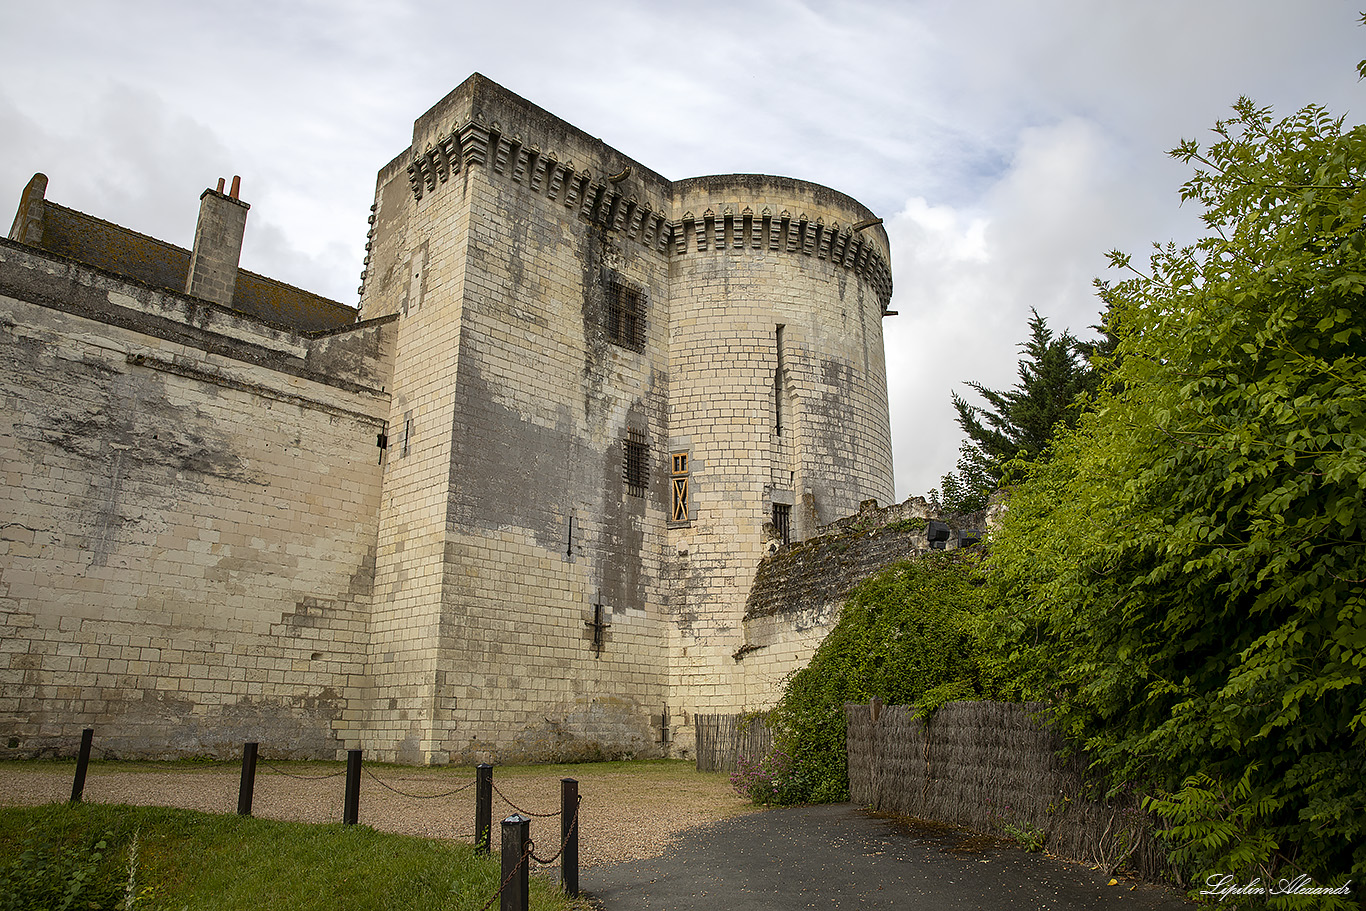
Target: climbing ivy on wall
(907, 636)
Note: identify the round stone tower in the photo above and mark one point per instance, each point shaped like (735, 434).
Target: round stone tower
(778, 402)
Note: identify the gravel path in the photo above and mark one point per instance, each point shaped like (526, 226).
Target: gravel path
(628, 811)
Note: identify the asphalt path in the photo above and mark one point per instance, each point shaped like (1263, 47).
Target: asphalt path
(837, 856)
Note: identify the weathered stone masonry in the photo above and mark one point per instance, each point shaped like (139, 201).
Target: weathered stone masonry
(513, 512)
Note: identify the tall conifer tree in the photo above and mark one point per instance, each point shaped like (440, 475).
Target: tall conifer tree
(1017, 423)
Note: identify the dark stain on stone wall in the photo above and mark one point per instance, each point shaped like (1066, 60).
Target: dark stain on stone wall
(140, 450)
(505, 470)
(597, 363)
(621, 552)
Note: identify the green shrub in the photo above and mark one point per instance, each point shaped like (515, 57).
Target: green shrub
(766, 780)
(908, 636)
(1183, 579)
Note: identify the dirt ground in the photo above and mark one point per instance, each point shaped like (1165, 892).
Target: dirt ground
(628, 810)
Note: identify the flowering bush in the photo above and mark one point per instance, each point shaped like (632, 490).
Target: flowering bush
(767, 780)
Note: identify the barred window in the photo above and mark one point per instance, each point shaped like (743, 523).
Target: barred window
(625, 314)
(678, 478)
(782, 521)
(635, 469)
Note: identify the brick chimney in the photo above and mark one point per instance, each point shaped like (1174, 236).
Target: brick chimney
(217, 244)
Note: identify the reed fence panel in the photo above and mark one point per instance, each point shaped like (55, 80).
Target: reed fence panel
(721, 739)
(994, 767)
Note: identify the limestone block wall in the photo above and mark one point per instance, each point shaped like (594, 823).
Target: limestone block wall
(188, 538)
(416, 274)
(778, 393)
(520, 465)
(546, 402)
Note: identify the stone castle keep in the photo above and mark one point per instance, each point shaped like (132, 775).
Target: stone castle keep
(512, 508)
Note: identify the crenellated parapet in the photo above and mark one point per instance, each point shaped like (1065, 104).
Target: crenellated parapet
(605, 202)
(609, 203)
(739, 227)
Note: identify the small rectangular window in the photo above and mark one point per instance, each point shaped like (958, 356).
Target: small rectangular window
(782, 521)
(636, 463)
(625, 314)
(678, 482)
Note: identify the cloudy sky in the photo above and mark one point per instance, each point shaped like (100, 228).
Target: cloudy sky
(1007, 143)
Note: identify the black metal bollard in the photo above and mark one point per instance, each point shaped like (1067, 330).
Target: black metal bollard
(483, 807)
(248, 785)
(569, 836)
(351, 809)
(516, 834)
(82, 762)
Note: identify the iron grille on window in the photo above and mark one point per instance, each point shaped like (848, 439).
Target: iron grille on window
(635, 466)
(782, 521)
(625, 315)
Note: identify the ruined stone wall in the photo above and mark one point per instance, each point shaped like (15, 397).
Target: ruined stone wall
(779, 396)
(798, 590)
(189, 506)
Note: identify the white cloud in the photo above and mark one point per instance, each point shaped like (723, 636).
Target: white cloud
(966, 279)
(1012, 143)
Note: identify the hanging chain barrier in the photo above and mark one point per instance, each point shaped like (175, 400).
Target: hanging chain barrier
(524, 812)
(569, 791)
(569, 834)
(279, 771)
(390, 787)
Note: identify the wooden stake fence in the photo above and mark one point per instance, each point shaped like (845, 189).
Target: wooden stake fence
(723, 738)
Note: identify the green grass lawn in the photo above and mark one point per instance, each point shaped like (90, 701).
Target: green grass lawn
(67, 856)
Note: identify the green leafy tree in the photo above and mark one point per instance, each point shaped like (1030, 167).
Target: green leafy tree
(968, 488)
(1185, 577)
(1017, 423)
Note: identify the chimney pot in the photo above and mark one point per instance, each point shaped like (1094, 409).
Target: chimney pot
(221, 183)
(236, 186)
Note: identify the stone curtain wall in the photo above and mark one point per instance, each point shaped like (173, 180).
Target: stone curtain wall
(992, 767)
(188, 519)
